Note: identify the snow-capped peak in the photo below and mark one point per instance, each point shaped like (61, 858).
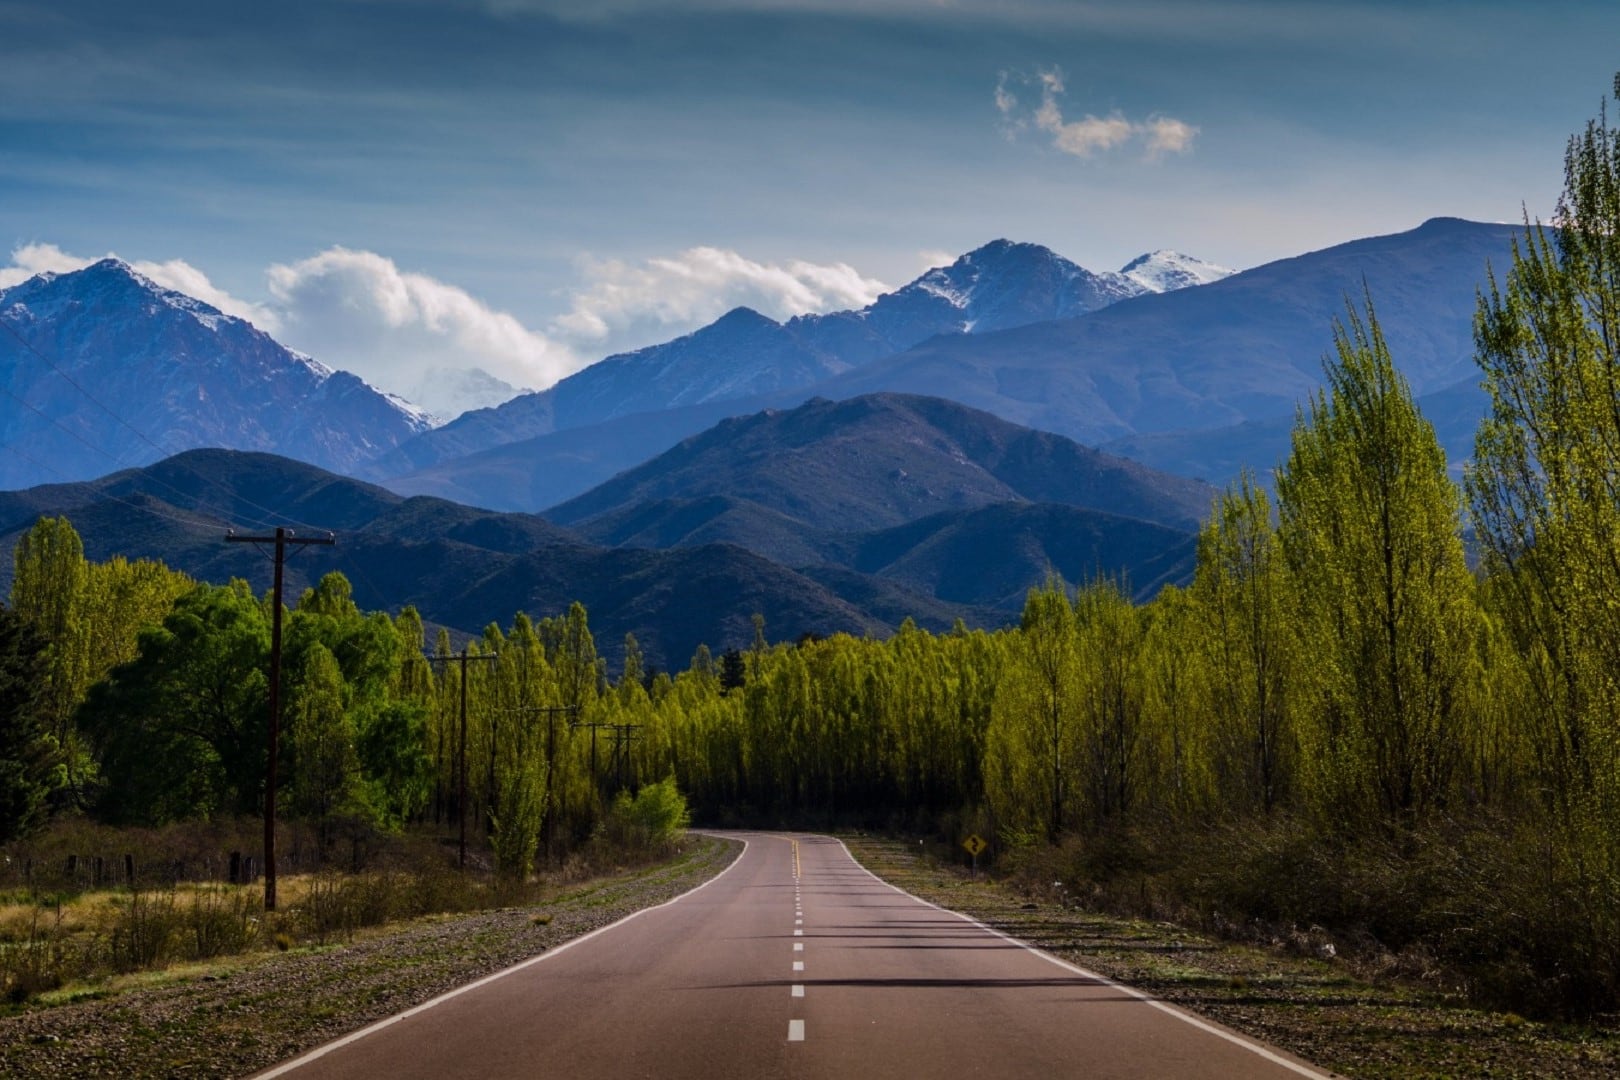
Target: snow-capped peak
(1166, 271)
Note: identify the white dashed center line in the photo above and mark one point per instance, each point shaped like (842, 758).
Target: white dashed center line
(798, 946)
(798, 965)
(798, 989)
(795, 1031)
(798, 933)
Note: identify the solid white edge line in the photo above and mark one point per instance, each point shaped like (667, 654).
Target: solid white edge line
(388, 1021)
(1146, 999)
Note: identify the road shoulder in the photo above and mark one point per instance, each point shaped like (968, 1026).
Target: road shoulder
(1315, 1008)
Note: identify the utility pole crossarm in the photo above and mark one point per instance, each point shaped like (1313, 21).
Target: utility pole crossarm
(282, 538)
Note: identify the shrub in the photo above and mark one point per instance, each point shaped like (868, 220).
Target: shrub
(652, 822)
(144, 930)
(222, 920)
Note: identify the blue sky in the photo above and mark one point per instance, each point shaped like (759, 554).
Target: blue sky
(528, 184)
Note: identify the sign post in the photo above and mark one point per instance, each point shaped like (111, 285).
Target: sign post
(974, 845)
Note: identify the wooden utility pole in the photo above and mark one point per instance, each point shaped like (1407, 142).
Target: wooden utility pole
(548, 711)
(594, 725)
(461, 798)
(623, 736)
(281, 540)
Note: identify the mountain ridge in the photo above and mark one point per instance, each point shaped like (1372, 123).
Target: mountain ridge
(744, 355)
(169, 372)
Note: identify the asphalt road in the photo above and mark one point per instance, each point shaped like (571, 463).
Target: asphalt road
(794, 962)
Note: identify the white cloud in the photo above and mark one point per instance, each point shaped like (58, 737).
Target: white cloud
(31, 259)
(1091, 134)
(358, 311)
(181, 276)
(1165, 134)
(624, 306)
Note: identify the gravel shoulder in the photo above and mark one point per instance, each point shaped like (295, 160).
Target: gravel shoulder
(1337, 1013)
(237, 1019)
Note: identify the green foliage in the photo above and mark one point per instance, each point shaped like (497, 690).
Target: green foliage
(1369, 528)
(180, 729)
(1241, 635)
(326, 779)
(29, 759)
(520, 809)
(653, 820)
(1545, 499)
(49, 591)
(1034, 733)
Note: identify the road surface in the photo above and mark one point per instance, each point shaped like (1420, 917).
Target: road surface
(794, 962)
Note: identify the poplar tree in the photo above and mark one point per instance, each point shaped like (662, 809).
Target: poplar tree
(1238, 590)
(1034, 726)
(1545, 486)
(48, 590)
(1369, 524)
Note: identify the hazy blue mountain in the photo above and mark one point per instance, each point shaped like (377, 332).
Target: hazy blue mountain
(1197, 381)
(926, 494)
(1218, 455)
(103, 368)
(745, 355)
(882, 460)
(992, 556)
(544, 470)
(461, 567)
(1245, 348)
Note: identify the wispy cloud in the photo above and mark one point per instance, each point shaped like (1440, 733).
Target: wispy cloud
(624, 305)
(1157, 135)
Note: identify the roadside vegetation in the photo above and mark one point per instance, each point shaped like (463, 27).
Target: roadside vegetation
(1340, 729)
(70, 932)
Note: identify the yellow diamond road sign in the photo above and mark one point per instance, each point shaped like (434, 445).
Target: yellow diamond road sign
(975, 844)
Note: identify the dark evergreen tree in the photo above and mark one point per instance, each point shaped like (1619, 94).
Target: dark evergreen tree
(733, 671)
(29, 759)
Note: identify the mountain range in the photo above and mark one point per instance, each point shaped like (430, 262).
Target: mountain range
(744, 356)
(670, 584)
(932, 455)
(1199, 381)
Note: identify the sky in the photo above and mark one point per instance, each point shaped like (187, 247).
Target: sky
(407, 187)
